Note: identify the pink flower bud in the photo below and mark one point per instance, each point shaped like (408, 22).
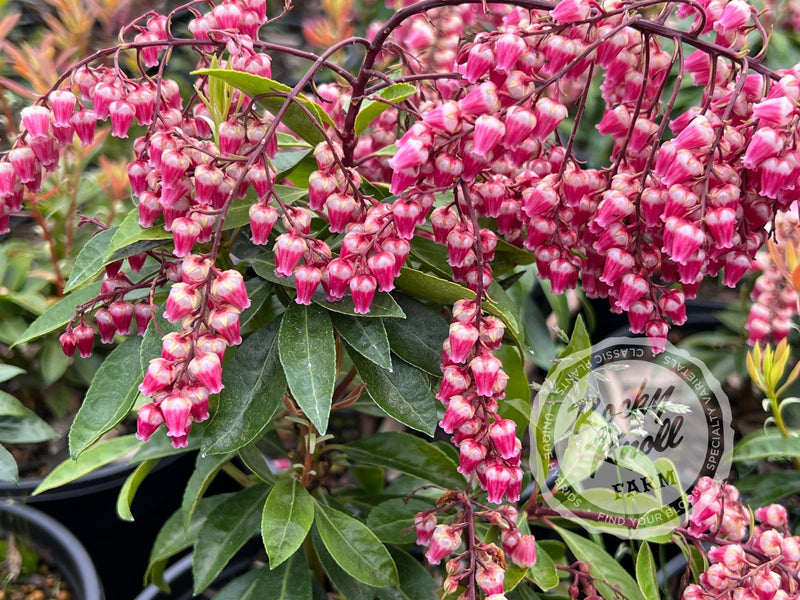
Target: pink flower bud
(503, 434)
(410, 154)
(122, 113)
(288, 249)
(765, 143)
(570, 11)
(176, 410)
(336, 277)
(508, 48)
(454, 381)
(721, 224)
(185, 233)
(485, 369)
(775, 177)
(773, 515)
(775, 111)
(197, 396)
(490, 578)
(144, 313)
(459, 243)
(225, 322)
(682, 239)
(68, 343)
(85, 122)
(480, 59)
(362, 289)
(549, 115)
(657, 331)
(36, 120)
(444, 542)
(148, 420)
(206, 368)
(381, 265)
(736, 14)
(488, 132)
(320, 187)
(231, 136)
(524, 554)
(159, 376)
(481, 100)
(262, 219)
(424, 524)
(462, 340)
(62, 102)
(84, 336)
(25, 164)
(563, 275)
(307, 279)
(497, 478)
(471, 454)
(340, 208)
(459, 411)
(183, 300)
(406, 216)
(445, 117)
(121, 313)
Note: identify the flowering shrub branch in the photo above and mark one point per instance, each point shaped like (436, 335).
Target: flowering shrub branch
(332, 196)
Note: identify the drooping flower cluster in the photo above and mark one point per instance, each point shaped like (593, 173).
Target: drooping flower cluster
(763, 566)
(444, 539)
(774, 293)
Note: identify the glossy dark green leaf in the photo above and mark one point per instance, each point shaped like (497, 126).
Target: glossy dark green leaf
(128, 490)
(611, 578)
(226, 530)
(349, 587)
(110, 397)
(393, 520)
(307, 351)
(295, 118)
(130, 232)
(355, 548)
(290, 581)
(256, 461)
(90, 259)
(173, 538)
(403, 393)
(418, 339)
(429, 287)
(93, 458)
(416, 583)
(372, 108)
(766, 488)
(766, 444)
(206, 468)
(408, 454)
(286, 520)
(254, 386)
(59, 314)
(646, 573)
(365, 336)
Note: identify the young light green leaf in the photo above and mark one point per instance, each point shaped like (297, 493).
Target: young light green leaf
(408, 454)
(173, 538)
(286, 519)
(130, 487)
(290, 581)
(646, 573)
(307, 351)
(9, 371)
(612, 580)
(355, 548)
(373, 106)
(295, 118)
(225, 531)
(254, 386)
(206, 468)
(110, 397)
(90, 259)
(95, 457)
(418, 340)
(365, 336)
(59, 314)
(403, 393)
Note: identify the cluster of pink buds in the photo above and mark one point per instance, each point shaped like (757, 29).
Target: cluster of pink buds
(762, 567)
(473, 381)
(443, 540)
(774, 294)
(189, 369)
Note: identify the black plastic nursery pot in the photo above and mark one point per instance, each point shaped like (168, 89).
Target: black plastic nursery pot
(87, 507)
(56, 545)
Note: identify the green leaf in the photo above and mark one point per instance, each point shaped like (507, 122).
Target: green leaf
(544, 572)
(429, 287)
(255, 460)
(54, 363)
(11, 407)
(393, 520)
(769, 444)
(20, 425)
(59, 314)
(90, 259)
(365, 336)
(173, 538)
(205, 470)
(9, 371)
(8, 467)
(403, 393)
(307, 352)
(501, 305)
(612, 580)
(418, 340)
(226, 530)
(130, 232)
(130, 487)
(372, 107)
(408, 454)
(295, 118)
(347, 586)
(290, 581)
(95, 457)
(286, 520)
(416, 583)
(254, 386)
(646, 573)
(355, 548)
(763, 489)
(110, 396)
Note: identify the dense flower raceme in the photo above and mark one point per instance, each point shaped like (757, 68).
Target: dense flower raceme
(760, 564)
